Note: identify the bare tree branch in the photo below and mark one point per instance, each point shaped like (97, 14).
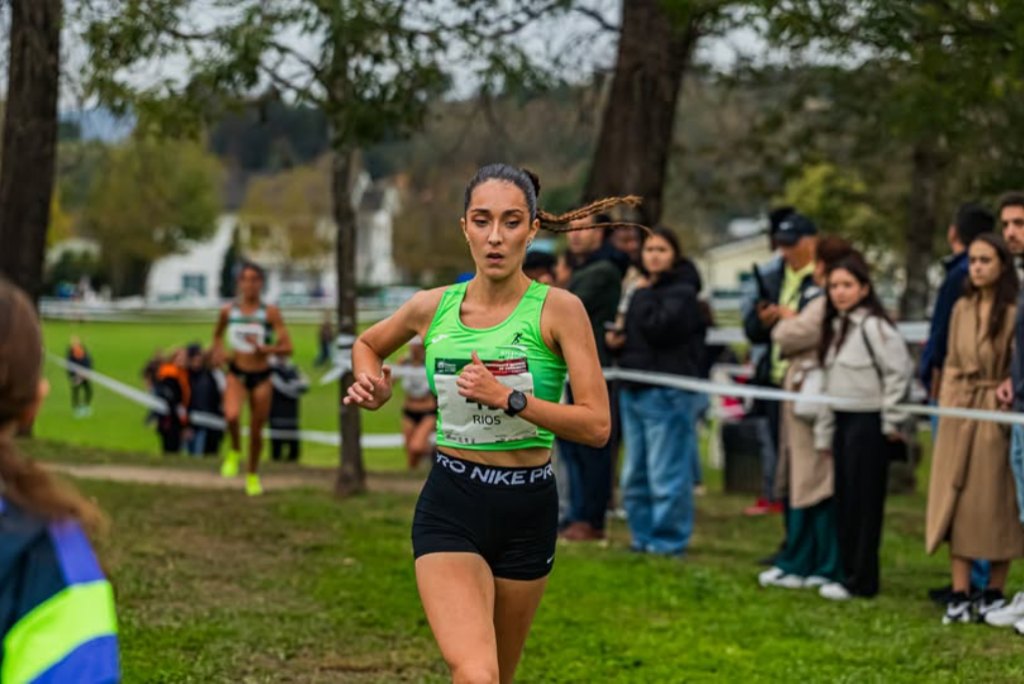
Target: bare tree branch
(598, 18)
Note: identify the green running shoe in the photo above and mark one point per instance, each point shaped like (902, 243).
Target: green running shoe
(229, 468)
(252, 485)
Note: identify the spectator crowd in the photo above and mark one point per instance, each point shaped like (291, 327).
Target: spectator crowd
(816, 326)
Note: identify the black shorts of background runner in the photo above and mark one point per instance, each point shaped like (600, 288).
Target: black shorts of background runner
(509, 516)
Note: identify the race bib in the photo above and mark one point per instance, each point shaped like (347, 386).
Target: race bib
(467, 422)
(244, 337)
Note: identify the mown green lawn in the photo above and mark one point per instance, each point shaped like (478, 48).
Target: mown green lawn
(300, 587)
(120, 350)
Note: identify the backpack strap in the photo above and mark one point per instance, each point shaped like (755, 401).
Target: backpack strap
(871, 350)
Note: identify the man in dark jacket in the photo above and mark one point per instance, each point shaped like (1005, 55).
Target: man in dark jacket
(597, 271)
(971, 221)
(206, 397)
(786, 286)
(289, 385)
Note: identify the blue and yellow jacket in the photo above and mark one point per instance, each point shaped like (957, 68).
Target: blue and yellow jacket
(57, 621)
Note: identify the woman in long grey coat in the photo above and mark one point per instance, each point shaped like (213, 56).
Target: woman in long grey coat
(971, 498)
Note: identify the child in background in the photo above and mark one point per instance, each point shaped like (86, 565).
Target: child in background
(57, 621)
(172, 385)
(81, 388)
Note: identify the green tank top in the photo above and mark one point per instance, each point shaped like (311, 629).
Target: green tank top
(514, 351)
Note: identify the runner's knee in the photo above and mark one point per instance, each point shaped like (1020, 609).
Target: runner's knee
(480, 672)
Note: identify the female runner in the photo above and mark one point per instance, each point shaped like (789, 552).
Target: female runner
(497, 352)
(419, 411)
(251, 326)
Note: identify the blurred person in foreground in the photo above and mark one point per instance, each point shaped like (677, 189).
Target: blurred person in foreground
(971, 499)
(57, 618)
(663, 333)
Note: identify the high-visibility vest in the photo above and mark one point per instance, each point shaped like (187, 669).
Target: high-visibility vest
(57, 619)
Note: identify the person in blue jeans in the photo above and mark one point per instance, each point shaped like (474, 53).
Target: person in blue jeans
(663, 333)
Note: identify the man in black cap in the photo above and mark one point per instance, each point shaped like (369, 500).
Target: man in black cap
(783, 291)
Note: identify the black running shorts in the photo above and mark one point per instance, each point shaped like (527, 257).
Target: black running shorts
(509, 516)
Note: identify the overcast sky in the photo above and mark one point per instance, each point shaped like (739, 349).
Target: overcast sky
(575, 41)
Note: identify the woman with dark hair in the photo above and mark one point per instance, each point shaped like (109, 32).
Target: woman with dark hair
(498, 348)
(866, 364)
(664, 333)
(251, 327)
(971, 497)
(810, 556)
(57, 621)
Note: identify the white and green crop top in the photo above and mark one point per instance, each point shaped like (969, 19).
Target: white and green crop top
(245, 331)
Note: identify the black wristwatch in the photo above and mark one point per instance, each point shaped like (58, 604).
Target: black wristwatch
(516, 403)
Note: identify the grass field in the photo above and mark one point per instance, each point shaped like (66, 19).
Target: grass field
(120, 350)
(300, 587)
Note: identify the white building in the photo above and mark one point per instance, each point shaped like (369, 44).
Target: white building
(194, 274)
(726, 266)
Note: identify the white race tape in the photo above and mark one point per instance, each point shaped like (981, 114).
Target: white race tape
(215, 422)
(728, 389)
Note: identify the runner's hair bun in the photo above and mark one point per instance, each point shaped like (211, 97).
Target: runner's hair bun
(533, 179)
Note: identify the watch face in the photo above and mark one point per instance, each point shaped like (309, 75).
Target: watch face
(517, 401)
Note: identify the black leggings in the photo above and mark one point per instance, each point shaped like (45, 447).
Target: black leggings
(509, 516)
(860, 458)
(79, 388)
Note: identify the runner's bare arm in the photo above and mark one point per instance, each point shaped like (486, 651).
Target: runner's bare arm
(588, 420)
(284, 339)
(217, 350)
(372, 387)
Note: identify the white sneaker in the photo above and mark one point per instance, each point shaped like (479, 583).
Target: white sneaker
(957, 612)
(835, 591)
(786, 581)
(1019, 627)
(815, 581)
(990, 602)
(1009, 614)
(768, 576)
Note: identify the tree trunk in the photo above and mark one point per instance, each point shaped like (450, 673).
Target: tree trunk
(923, 224)
(637, 128)
(29, 140)
(351, 472)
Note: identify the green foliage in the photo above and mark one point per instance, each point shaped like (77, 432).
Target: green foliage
(151, 196)
(298, 201)
(71, 267)
(374, 68)
(840, 202)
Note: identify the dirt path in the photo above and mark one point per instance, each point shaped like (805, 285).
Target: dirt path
(201, 479)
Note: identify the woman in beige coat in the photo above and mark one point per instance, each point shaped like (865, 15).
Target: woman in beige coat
(971, 498)
(810, 557)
